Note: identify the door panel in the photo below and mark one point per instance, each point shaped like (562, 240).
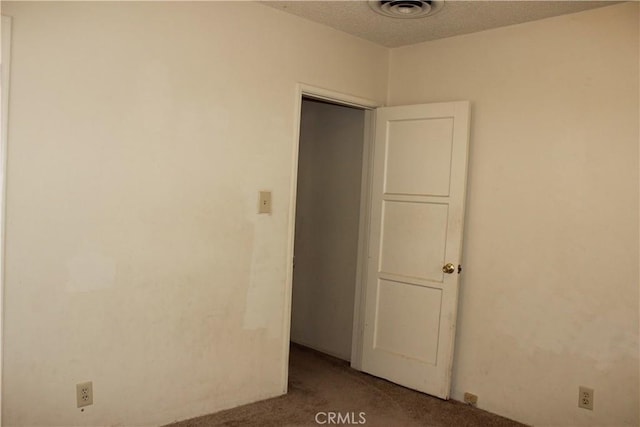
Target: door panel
(417, 207)
(404, 246)
(418, 160)
(395, 320)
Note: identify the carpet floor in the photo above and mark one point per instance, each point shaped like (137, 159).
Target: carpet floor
(319, 384)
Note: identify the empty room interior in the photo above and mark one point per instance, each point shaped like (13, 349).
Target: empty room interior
(449, 202)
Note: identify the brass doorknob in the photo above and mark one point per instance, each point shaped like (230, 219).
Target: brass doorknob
(448, 268)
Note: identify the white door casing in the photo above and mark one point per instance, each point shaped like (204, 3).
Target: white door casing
(416, 224)
(5, 55)
(314, 92)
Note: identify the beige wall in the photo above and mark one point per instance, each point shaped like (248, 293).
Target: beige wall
(327, 219)
(549, 299)
(140, 135)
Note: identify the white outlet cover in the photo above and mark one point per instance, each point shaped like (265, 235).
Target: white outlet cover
(585, 398)
(84, 394)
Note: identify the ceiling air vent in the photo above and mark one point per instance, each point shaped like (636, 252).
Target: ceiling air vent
(406, 9)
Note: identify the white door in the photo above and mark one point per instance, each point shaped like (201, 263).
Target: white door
(415, 241)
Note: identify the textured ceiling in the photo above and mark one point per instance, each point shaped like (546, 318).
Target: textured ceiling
(456, 17)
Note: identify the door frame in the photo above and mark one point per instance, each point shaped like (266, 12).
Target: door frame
(5, 63)
(307, 91)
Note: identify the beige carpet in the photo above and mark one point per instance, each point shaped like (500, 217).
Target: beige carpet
(319, 384)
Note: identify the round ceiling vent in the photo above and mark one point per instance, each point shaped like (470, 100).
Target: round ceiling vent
(406, 9)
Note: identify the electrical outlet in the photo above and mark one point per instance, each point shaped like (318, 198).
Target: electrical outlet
(84, 394)
(471, 399)
(585, 398)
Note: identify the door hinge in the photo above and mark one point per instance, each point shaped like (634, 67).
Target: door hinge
(459, 268)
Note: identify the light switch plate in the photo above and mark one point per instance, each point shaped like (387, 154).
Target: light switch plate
(264, 204)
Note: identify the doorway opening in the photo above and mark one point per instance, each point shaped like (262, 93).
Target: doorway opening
(327, 226)
(409, 240)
